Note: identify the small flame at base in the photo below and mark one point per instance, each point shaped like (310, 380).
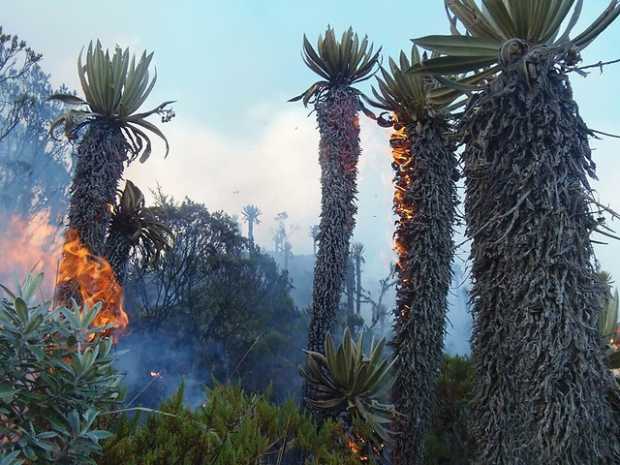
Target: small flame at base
(95, 280)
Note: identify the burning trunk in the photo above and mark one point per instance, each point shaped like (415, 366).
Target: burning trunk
(543, 392)
(84, 275)
(425, 201)
(339, 152)
(92, 279)
(100, 162)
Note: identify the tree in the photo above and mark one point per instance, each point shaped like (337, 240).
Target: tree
(34, 168)
(358, 255)
(349, 287)
(17, 60)
(218, 311)
(425, 204)
(251, 215)
(288, 253)
(341, 64)
(134, 228)
(540, 368)
(114, 91)
(378, 309)
(280, 236)
(314, 234)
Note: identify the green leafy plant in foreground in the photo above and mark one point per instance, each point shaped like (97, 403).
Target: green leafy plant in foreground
(352, 386)
(56, 378)
(231, 427)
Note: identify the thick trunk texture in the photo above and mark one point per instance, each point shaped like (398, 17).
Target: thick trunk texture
(99, 168)
(339, 152)
(543, 394)
(100, 160)
(425, 202)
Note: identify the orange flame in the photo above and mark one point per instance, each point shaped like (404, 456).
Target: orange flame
(356, 450)
(95, 279)
(29, 244)
(403, 206)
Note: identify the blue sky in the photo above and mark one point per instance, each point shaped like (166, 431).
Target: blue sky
(233, 64)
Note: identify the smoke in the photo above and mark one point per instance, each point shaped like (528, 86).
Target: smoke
(29, 245)
(154, 365)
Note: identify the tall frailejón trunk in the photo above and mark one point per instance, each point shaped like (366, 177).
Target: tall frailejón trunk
(358, 283)
(101, 156)
(100, 160)
(425, 203)
(339, 151)
(251, 231)
(543, 393)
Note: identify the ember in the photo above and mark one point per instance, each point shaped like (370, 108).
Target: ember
(95, 281)
(403, 206)
(356, 446)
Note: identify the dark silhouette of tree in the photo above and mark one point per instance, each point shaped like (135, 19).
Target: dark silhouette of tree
(251, 215)
(17, 60)
(357, 251)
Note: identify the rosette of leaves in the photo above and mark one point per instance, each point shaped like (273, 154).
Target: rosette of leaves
(55, 380)
(340, 63)
(134, 227)
(115, 88)
(346, 381)
(500, 31)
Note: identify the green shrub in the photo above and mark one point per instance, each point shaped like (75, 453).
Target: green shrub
(56, 377)
(449, 442)
(231, 428)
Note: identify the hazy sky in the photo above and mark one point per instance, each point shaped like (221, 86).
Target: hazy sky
(231, 65)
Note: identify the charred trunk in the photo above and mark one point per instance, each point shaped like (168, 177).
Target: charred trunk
(101, 156)
(100, 160)
(339, 151)
(425, 202)
(543, 393)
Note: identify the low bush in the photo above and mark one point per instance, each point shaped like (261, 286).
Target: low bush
(56, 378)
(231, 427)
